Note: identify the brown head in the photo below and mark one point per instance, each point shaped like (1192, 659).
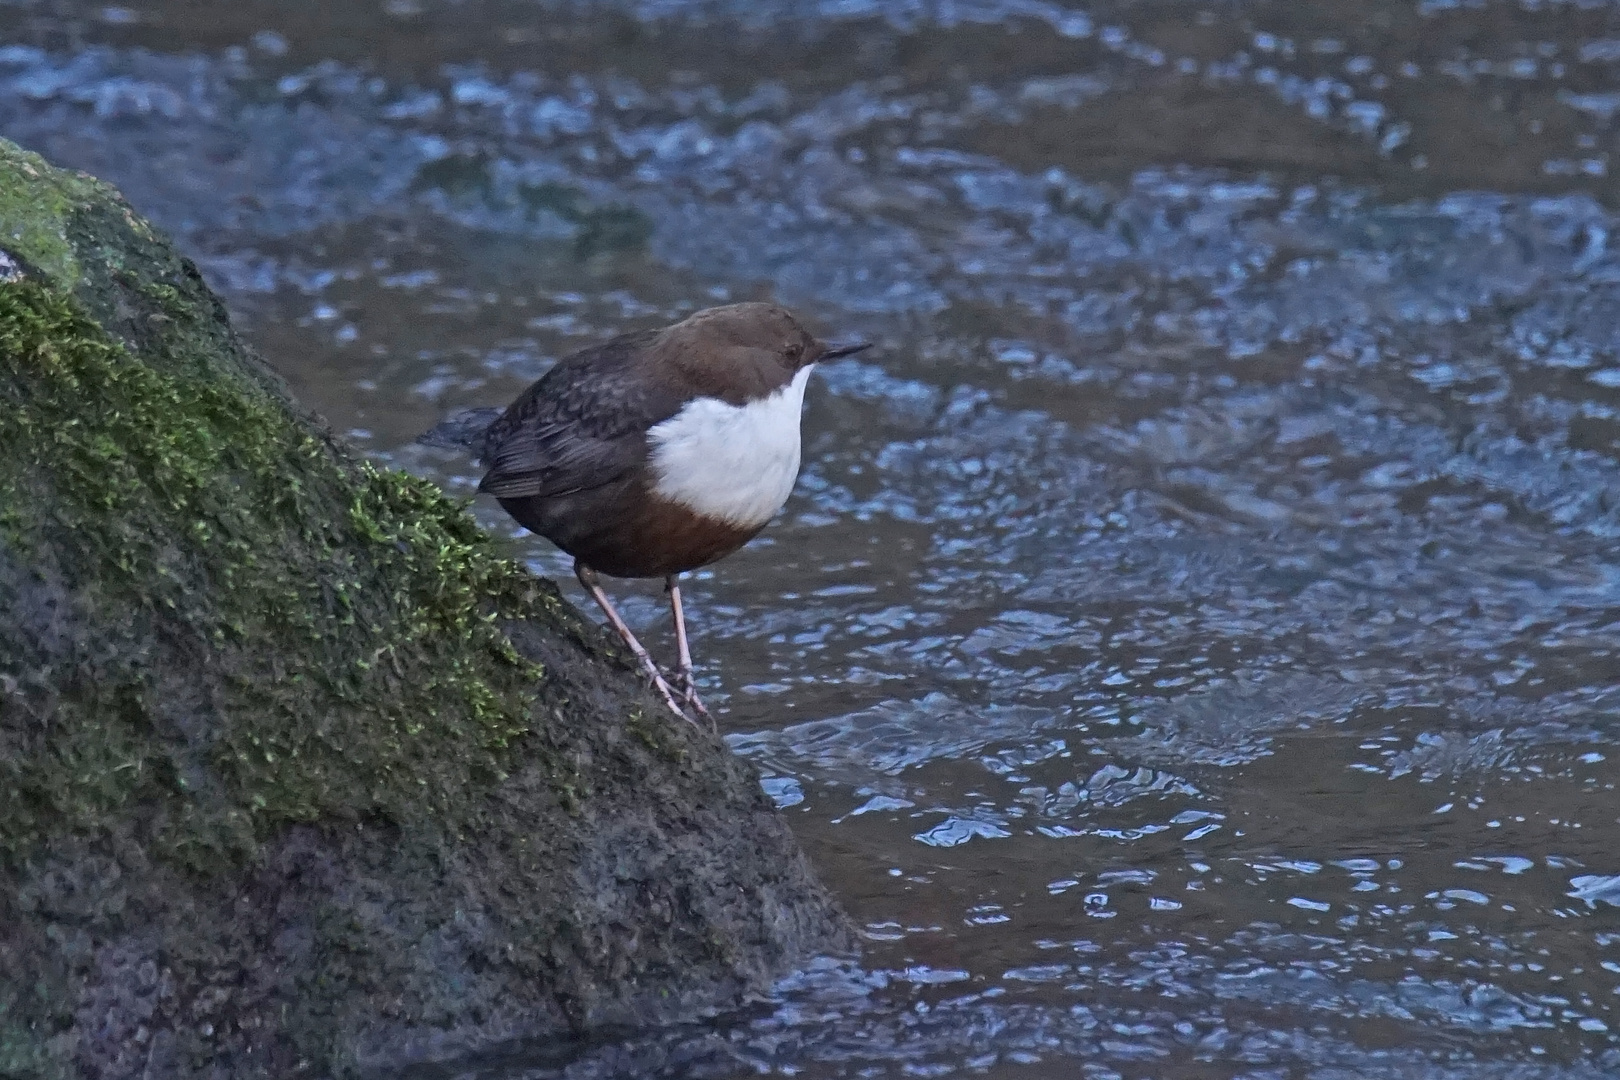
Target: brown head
(739, 352)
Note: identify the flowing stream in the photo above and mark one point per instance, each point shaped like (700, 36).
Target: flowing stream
(1191, 649)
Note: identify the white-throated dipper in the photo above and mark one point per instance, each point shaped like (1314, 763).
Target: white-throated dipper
(654, 453)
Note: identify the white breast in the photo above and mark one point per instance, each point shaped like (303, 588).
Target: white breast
(734, 463)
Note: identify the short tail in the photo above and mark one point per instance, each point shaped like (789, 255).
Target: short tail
(462, 430)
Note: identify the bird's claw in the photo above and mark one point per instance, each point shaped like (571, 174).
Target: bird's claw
(670, 696)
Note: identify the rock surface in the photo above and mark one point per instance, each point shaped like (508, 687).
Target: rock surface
(299, 774)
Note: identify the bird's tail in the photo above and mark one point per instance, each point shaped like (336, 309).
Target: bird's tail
(462, 430)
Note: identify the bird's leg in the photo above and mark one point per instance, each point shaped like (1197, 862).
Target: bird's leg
(685, 682)
(593, 585)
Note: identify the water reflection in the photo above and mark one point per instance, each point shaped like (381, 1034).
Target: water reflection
(1191, 649)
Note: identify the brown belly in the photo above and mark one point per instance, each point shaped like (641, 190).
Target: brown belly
(629, 533)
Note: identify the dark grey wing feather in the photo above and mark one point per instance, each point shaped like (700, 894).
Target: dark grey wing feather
(581, 425)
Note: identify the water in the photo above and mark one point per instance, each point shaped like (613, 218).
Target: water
(1191, 650)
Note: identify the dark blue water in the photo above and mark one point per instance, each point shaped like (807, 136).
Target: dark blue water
(1191, 650)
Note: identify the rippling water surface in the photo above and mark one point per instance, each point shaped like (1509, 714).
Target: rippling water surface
(1191, 650)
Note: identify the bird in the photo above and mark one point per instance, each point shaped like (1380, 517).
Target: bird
(654, 453)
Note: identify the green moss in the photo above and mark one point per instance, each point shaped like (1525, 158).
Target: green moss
(217, 623)
(655, 735)
(349, 615)
(36, 205)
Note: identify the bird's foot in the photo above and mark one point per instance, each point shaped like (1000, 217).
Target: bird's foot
(683, 674)
(686, 685)
(672, 697)
(587, 577)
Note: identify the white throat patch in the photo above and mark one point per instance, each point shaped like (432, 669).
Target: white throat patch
(734, 463)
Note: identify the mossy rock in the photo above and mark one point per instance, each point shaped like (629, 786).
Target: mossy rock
(298, 772)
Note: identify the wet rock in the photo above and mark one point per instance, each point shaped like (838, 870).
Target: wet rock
(296, 772)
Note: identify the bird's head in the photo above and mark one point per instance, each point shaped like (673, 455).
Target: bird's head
(754, 336)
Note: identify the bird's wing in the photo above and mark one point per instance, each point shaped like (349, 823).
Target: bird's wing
(581, 425)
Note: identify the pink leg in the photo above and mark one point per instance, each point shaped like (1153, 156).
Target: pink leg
(684, 680)
(593, 585)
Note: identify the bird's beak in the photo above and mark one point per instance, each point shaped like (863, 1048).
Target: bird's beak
(835, 350)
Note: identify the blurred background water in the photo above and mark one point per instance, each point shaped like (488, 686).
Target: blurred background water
(1191, 650)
